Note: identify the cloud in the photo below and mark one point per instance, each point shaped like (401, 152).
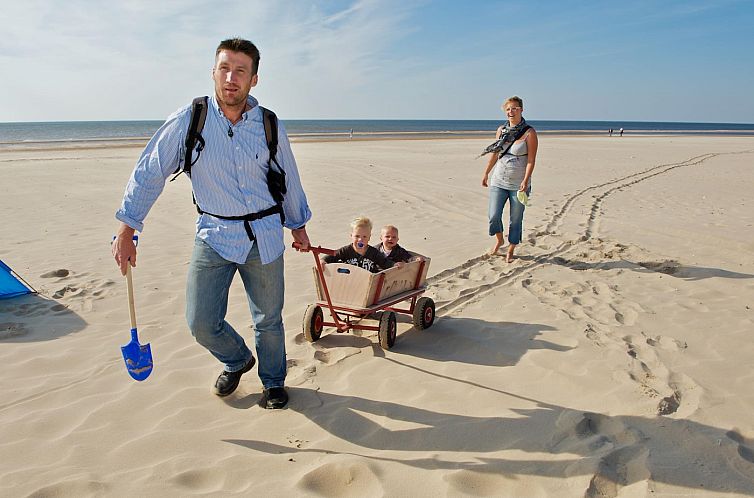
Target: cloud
(142, 59)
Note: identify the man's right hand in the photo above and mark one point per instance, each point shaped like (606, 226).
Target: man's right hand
(123, 248)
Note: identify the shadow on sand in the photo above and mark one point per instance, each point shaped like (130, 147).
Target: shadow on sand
(668, 267)
(612, 451)
(33, 317)
(615, 451)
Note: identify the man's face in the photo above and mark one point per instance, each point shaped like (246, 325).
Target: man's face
(233, 78)
(389, 239)
(360, 237)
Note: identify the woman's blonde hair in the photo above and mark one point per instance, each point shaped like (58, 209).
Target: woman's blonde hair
(516, 100)
(361, 221)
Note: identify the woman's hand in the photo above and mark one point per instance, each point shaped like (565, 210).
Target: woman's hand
(524, 185)
(490, 165)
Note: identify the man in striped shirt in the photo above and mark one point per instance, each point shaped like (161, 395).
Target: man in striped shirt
(228, 180)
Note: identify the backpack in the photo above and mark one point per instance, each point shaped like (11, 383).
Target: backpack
(275, 176)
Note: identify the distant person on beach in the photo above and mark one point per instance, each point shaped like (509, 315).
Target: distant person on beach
(389, 246)
(229, 178)
(621, 132)
(610, 132)
(359, 252)
(511, 170)
(350, 134)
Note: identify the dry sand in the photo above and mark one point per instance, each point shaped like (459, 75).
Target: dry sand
(612, 358)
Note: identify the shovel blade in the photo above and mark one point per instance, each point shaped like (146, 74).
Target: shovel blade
(138, 358)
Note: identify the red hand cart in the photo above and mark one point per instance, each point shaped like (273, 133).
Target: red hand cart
(352, 294)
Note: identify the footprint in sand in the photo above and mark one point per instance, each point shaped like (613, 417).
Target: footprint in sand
(77, 290)
(56, 273)
(679, 393)
(626, 460)
(587, 432)
(299, 373)
(335, 356)
(12, 329)
(620, 468)
(669, 267)
(666, 343)
(200, 480)
(342, 479)
(745, 446)
(470, 483)
(68, 289)
(75, 486)
(30, 310)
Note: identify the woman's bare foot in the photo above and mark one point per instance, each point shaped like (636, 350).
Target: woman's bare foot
(499, 241)
(509, 255)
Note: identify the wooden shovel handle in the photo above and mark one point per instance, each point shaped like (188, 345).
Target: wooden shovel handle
(131, 307)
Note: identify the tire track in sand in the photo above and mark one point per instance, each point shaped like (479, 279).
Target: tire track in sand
(542, 253)
(455, 287)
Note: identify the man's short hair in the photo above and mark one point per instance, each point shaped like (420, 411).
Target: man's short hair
(243, 46)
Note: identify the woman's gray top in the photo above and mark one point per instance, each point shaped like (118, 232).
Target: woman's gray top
(510, 169)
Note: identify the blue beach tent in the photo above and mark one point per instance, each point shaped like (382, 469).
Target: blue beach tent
(12, 285)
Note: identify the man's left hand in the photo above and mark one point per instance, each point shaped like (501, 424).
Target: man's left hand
(300, 239)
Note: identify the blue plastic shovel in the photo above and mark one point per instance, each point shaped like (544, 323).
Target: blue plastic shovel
(138, 357)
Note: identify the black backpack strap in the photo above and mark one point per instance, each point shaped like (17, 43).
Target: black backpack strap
(270, 121)
(275, 177)
(194, 135)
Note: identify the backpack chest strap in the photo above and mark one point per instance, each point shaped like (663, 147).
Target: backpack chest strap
(247, 218)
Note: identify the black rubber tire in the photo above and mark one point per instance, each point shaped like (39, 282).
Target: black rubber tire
(388, 329)
(313, 319)
(424, 313)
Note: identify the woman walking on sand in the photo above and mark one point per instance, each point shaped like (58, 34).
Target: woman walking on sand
(511, 166)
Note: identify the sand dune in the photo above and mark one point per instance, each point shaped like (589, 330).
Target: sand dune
(611, 358)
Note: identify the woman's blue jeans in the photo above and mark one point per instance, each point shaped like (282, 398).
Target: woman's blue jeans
(209, 279)
(498, 198)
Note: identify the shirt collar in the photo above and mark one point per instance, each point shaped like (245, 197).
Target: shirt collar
(251, 101)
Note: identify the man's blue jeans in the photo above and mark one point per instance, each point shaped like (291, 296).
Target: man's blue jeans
(498, 198)
(209, 280)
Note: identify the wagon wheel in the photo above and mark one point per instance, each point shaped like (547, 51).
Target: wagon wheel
(388, 328)
(313, 319)
(424, 313)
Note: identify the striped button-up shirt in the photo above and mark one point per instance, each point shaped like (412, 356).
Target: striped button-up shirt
(228, 179)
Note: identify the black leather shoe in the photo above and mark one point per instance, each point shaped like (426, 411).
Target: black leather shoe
(227, 382)
(274, 398)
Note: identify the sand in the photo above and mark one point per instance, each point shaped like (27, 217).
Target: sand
(613, 357)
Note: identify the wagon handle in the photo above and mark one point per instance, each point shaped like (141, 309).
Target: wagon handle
(316, 251)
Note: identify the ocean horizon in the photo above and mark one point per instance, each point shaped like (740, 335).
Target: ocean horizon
(77, 131)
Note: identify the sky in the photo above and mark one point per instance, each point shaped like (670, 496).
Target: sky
(642, 60)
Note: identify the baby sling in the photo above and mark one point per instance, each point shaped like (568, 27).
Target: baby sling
(275, 175)
(508, 136)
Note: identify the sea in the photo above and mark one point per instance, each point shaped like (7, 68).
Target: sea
(323, 129)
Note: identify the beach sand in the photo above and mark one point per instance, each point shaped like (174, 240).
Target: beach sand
(613, 357)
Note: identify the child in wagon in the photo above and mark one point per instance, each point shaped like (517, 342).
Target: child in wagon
(389, 247)
(359, 252)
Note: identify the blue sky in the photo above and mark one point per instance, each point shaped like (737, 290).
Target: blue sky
(640, 60)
